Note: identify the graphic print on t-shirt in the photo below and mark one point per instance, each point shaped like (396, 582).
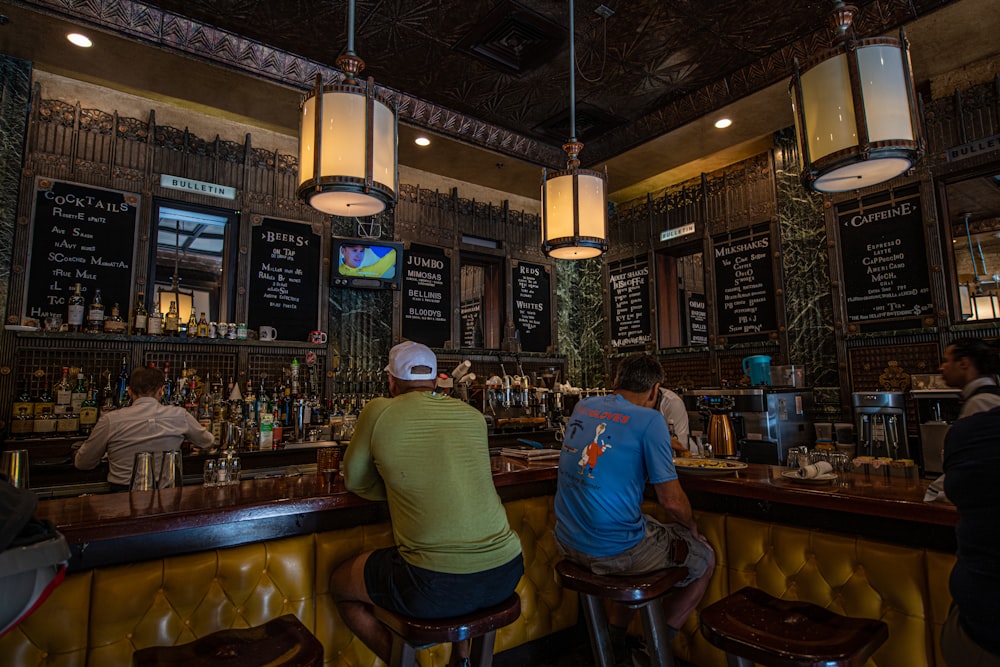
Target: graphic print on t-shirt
(593, 451)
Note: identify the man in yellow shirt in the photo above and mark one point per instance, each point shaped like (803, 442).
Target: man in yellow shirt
(352, 262)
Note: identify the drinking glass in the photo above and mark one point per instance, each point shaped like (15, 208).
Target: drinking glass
(142, 472)
(210, 472)
(15, 466)
(792, 460)
(171, 472)
(234, 468)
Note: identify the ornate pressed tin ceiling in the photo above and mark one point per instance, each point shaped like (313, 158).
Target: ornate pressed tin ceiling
(494, 73)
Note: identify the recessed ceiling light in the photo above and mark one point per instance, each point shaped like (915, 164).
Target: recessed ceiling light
(723, 123)
(79, 40)
(422, 141)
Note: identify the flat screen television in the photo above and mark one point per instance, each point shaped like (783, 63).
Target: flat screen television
(366, 263)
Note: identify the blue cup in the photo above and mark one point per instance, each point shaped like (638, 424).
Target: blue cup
(758, 368)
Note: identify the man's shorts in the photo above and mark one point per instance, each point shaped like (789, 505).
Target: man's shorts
(663, 546)
(394, 584)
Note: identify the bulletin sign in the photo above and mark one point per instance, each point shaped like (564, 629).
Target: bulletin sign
(629, 288)
(80, 234)
(426, 296)
(284, 294)
(744, 284)
(532, 309)
(884, 257)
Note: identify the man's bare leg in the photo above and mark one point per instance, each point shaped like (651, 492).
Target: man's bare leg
(347, 584)
(679, 605)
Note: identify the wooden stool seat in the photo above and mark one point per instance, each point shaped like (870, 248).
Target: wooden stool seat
(643, 592)
(752, 626)
(411, 634)
(282, 642)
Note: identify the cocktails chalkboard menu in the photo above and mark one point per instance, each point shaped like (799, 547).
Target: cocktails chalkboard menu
(80, 234)
(472, 323)
(532, 311)
(629, 292)
(426, 298)
(744, 283)
(284, 292)
(885, 259)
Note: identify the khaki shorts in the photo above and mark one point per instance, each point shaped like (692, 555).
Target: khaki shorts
(663, 546)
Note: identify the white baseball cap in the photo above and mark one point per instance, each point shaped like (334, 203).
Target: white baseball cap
(412, 361)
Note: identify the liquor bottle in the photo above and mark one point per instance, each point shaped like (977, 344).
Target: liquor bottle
(168, 384)
(121, 389)
(88, 412)
(192, 326)
(68, 422)
(64, 390)
(22, 415)
(202, 326)
(44, 413)
(114, 324)
(170, 323)
(79, 393)
(74, 318)
(154, 323)
(107, 396)
(139, 317)
(95, 313)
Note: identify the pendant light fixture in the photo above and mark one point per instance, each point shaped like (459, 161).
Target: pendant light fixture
(347, 142)
(855, 110)
(574, 201)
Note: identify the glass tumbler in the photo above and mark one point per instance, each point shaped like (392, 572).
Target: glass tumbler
(142, 472)
(171, 473)
(210, 472)
(792, 460)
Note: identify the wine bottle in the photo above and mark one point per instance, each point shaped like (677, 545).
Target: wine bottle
(140, 317)
(95, 313)
(74, 319)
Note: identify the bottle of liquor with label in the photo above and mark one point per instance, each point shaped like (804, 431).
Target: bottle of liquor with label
(121, 390)
(45, 418)
(202, 326)
(22, 420)
(64, 390)
(192, 325)
(88, 412)
(74, 319)
(95, 313)
(170, 322)
(107, 396)
(114, 324)
(139, 317)
(79, 393)
(154, 322)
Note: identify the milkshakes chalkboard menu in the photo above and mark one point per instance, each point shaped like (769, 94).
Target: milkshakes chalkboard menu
(629, 294)
(744, 283)
(80, 234)
(284, 292)
(532, 312)
(885, 259)
(426, 297)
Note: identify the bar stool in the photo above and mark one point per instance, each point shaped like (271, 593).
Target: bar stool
(752, 626)
(281, 642)
(643, 592)
(411, 634)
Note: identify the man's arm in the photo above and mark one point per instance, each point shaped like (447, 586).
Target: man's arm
(94, 447)
(360, 473)
(674, 500)
(197, 434)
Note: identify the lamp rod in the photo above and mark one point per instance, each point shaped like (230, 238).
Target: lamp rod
(572, 73)
(350, 26)
(972, 254)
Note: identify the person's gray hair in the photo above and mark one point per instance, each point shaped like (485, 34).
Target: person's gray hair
(638, 373)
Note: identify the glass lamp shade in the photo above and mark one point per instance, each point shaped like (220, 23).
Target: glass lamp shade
(985, 307)
(574, 213)
(855, 115)
(347, 150)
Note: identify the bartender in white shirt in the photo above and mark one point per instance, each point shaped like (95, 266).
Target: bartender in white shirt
(971, 365)
(673, 410)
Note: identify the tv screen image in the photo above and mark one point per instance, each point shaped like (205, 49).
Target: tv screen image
(367, 263)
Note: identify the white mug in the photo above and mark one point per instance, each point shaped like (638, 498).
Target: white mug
(268, 333)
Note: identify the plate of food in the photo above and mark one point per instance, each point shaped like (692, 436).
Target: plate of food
(701, 466)
(793, 476)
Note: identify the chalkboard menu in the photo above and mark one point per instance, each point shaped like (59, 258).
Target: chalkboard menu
(885, 260)
(426, 298)
(629, 292)
(80, 234)
(284, 294)
(472, 323)
(532, 311)
(744, 283)
(697, 316)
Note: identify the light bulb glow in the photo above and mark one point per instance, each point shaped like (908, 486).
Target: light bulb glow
(79, 40)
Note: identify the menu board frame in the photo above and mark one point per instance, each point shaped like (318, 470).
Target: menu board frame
(630, 304)
(426, 293)
(90, 209)
(532, 290)
(745, 297)
(301, 252)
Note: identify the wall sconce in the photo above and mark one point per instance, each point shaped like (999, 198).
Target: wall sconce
(574, 201)
(347, 142)
(855, 111)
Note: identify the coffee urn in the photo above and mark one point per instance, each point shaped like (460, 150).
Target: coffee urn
(880, 422)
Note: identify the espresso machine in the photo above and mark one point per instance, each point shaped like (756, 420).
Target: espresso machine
(880, 422)
(766, 421)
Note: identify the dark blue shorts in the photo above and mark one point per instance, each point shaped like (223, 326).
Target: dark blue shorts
(394, 584)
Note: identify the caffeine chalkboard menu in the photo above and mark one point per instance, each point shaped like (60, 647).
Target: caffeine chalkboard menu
(532, 311)
(284, 292)
(885, 259)
(80, 234)
(426, 297)
(744, 283)
(629, 292)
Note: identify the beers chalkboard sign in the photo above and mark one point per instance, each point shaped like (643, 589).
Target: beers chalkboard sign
(80, 234)
(630, 304)
(885, 259)
(532, 310)
(744, 283)
(284, 293)
(426, 296)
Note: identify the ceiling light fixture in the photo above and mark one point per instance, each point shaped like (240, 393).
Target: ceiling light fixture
(574, 201)
(855, 110)
(422, 141)
(79, 40)
(723, 123)
(348, 161)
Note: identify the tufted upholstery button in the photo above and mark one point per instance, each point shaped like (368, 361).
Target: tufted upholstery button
(128, 635)
(187, 622)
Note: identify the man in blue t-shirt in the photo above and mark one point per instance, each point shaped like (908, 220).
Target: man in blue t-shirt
(614, 444)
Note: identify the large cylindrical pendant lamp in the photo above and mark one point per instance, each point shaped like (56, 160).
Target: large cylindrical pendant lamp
(855, 112)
